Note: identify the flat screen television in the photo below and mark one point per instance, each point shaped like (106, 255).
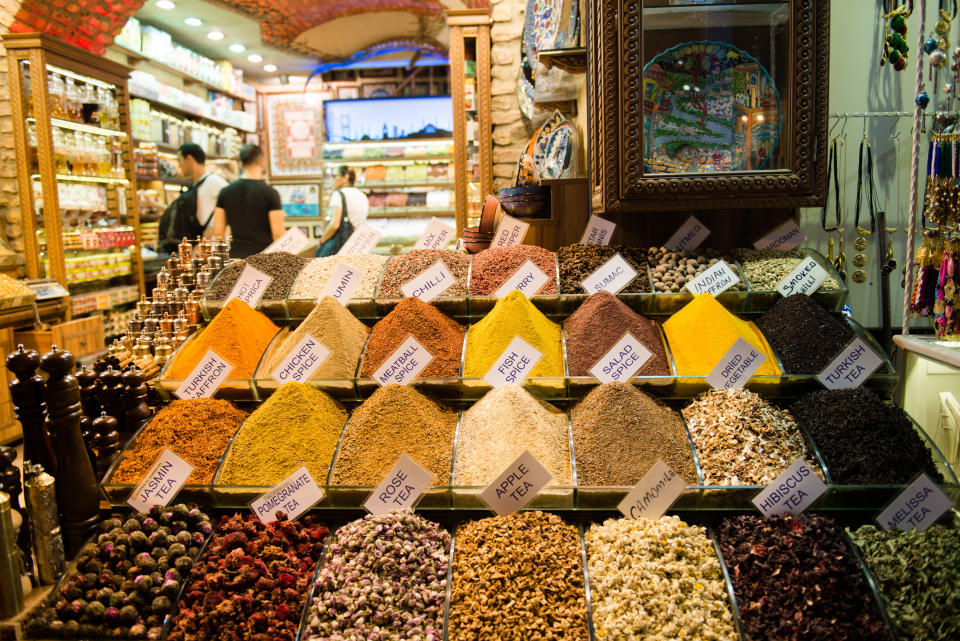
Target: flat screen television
(388, 119)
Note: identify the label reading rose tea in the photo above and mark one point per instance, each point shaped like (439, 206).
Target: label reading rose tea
(510, 232)
(206, 377)
(612, 276)
(805, 278)
(293, 496)
(515, 364)
(916, 508)
(405, 364)
(437, 235)
(292, 242)
(653, 495)
(302, 361)
(598, 231)
(251, 286)
(516, 486)
(528, 279)
(852, 366)
(736, 367)
(431, 282)
(400, 489)
(363, 239)
(161, 483)
(622, 361)
(690, 235)
(792, 492)
(342, 284)
(784, 237)
(715, 279)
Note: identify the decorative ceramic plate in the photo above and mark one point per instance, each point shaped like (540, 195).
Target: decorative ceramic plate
(552, 146)
(708, 107)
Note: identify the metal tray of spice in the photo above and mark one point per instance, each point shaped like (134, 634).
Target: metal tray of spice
(549, 304)
(453, 306)
(265, 384)
(231, 389)
(760, 299)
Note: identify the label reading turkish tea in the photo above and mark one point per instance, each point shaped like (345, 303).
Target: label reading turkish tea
(516, 486)
(361, 241)
(302, 361)
(784, 237)
(736, 367)
(528, 279)
(510, 232)
(690, 235)
(206, 377)
(804, 279)
(251, 286)
(161, 483)
(653, 495)
(293, 496)
(792, 492)
(598, 231)
(916, 508)
(612, 276)
(622, 361)
(405, 364)
(292, 242)
(342, 284)
(515, 364)
(436, 236)
(715, 279)
(431, 282)
(852, 366)
(400, 489)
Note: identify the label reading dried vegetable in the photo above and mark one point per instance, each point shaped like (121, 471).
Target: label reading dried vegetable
(916, 508)
(790, 493)
(400, 489)
(516, 486)
(293, 496)
(736, 367)
(167, 475)
(653, 495)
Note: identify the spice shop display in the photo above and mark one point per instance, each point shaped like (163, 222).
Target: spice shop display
(671, 270)
(315, 276)
(493, 266)
(403, 268)
(577, 262)
(804, 335)
(281, 267)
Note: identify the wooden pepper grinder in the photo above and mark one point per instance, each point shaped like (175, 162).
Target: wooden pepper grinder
(111, 392)
(135, 399)
(76, 485)
(10, 483)
(89, 380)
(108, 443)
(26, 392)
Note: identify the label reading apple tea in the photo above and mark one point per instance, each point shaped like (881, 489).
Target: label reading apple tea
(516, 486)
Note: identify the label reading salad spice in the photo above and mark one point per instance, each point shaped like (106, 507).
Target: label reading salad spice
(292, 242)
(854, 365)
(598, 231)
(251, 286)
(293, 496)
(436, 236)
(612, 276)
(206, 377)
(653, 495)
(804, 279)
(161, 483)
(400, 489)
(622, 361)
(916, 508)
(405, 364)
(510, 232)
(792, 492)
(516, 486)
(431, 282)
(361, 241)
(690, 235)
(736, 367)
(786, 236)
(302, 361)
(714, 280)
(342, 284)
(528, 279)
(515, 364)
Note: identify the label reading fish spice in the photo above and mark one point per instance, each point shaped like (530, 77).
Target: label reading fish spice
(404, 364)
(690, 235)
(293, 496)
(804, 279)
(292, 242)
(792, 492)
(916, 508)
(784, 237)
(431, 282)
(622, 361)
(400, 489)
(516, 486)
(612, 276)
(736, 367)
(528, 279)
(437, 235)
(510, 232)
(715, 279)
(653, 495)
(598, 231)
(167, 475)
(302, 361)
(852, 366)
(206, 377)
(342, 284)
(251, 286)
(515, 364)
(361, 241)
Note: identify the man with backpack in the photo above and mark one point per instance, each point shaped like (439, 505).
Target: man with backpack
(191, 214)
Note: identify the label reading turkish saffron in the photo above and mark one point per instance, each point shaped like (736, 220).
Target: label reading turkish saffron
(361, 241)
(161, 483)
(784, 237)
(622, 361)
(804, 279)
(302, 361)
(400, 489)
(292, 242)
(431, 282)
(715, 279)
(653, 495)
(916, 508)
(251, 286)
(690, 235)
(437, 235)
(405, 364)
(736, 367)
(528, 279)
(342, 284)
(598, 231)
(510, 232)
(852, 366)
(612, 276)
(293, 496)
(515, 364)
(206, 377)
(792, 492)
(516, 486)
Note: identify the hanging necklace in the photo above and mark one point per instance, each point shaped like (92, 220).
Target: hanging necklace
(889, 262)
(861, 242)
(831, 173)
(895, 47)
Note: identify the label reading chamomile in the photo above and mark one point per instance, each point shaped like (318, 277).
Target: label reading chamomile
(437, 235)
(653, 495)
(206, 377)
(516, 486)
(363, 239)
(293, 496)
(161, 483)
(430, 283)
(916, 508)
(405, 364)
(302, 361)
(784, 237)
(515, 364)
(598, 231)
(690, 235)
(612, 276)
(400, 489)
(792, 492)
(736, 367)
(622, 361)
(715, 279)
(852, 366)
(510, 232)
(251, 286)
(292, 242)
(342, 284)
(528, 279)
(805, 278)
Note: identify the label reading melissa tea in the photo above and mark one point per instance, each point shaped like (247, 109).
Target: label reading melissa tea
(515, 364)
(916, 508)
(690, 235)
(302, 361)
(622, 361)
(161, 483)
(528, 279)
(792, 492)
(805, 278)
(400, 489)
(342, 284)
(653, 495)
(251, 286)
(598, 231)
(292, 242)
(437, 235)
(612, 276)
(784, 237)
(206, 377)
(405, 364)
(510, 232)
(431, 282)
(516, 486)
(852, 366)
(715, 279)
(363, 239)
(293, 496)
(736, 367)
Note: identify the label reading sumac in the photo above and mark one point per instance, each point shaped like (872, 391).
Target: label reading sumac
(403, 365)
(805, 278)
(515, 364)
(792, 492)
(161, 483)
(715, 279)
(293, 496)
(598, 231)
(690, 235)
(206, 377)
(430, 283)
(510, 232)
(302, 361)
(622, 361)
(400, 489)
(852, 366)
(736, 367)
(516, 486)
(342, 284)
(612, 276)
(363, 239)
(292, 242)
(916, 508)
(437, 235)
(528, 279)
(251, 286)
(653, 495)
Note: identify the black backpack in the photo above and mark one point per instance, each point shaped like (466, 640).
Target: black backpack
(179, 219)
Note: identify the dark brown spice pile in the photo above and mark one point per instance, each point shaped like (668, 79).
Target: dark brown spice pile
(672, 270)
(577, 262)
(492, 267)
(405, 267)
(804, 335)
(280, 266)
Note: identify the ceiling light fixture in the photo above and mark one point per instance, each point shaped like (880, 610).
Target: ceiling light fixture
(193, 22)
(255, 57)
(215, 35)
(269, 68)
(165, 4)
(236, 47)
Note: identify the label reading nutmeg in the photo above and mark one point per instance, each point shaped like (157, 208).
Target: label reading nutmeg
(690, 235)
(517, 485)
(161, 483)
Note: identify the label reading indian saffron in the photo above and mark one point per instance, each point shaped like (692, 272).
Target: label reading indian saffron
(736, 367)
(515, 364)
(852, 366)
(292, 242)
(302, 361)
(528, 279)
(784, 237)
(916, 508)
(342, 284)
(251, 286)
(510, 232)
(622, 361)
(715, 279)
(612, 276)
(431, 282)
(516, 486)
(206, 377)
(437, 235)
(598, 231)
(161, 483)
(792, 492)
(653, 495)
(361, 241)
(690, 235)
(804, 279)
(400, 489)
(293, 496)
(403, 365)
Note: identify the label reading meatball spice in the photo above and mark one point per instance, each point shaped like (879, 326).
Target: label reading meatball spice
(302, 361)
(510, 232)
(404, 364)
(292, 242)
(598, 231)
(736, 367)
(342, 284)
(654, 494)
(690, 235)
(515, 364)
(400, 489)
(293, 496)
(251, 286)
(528, 279)
(792, 492)
(167, 475)
(436, 236)
(361, 241)
(804, 279)
(516, 486)
(784, 237)
(715, 279)
(612, 276)
(854, 365)
(916, 508)
(622, 361)
(206, 377)
(431, 282)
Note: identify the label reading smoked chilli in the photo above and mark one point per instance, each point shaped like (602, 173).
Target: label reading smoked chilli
(302, 361)
(784, 237)
(516, 486)
(916, 508)
(515, 364)
(690, 235)
(852, 366)
(363, 239)
(528, 279)
(400, 489)
(510, 232)
(736, 367)
(622, 361)
(206, 377)
(405, 364)
(430, 283)
(653, 495)
(342, 284)
(805, 278)
(598, 231)
(292, 242)
(612, 276)
(715, 279)
(251, 286)
(293, 496)
(792, 492)
(161, 483)
(437, 235)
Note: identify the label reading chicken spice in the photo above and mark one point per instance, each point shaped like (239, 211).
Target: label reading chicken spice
(342, 284)
(292, 242)
(622, 361)
(515, 364)
(510, 232)
(792, 492)
(612, 276)
(851, 368)
(302, 361)
(206, 377)
(916, 508)
(653, 495)
(361, 241)
(167, 475)
(404, 364)
(690, 235)
(251, 286)
(736, 367)
(400, 489)
(528, 279)
(805, 278)
(431, 282)
(516, 486)
(715, 279)
(293, 496)
(784, 237)
(436, 236)
(598, 231)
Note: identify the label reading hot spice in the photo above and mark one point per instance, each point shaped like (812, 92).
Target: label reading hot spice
(431, 282)
(510, 232)
(854, 365)
(792, 492)
(167, 475)
(715, 279)
(292, 242)
(206, 377)
(515, 364)
(654, 494)
(342, 284)
(528, 279)
(302, 361)
(612, 276)
(804, 279)
(516, 486)
(361, 241)
(405, 364)
(251, 286)
(622, 361)
(736, 367)
(293, 496)
(400, 489)
(916, 508)
(786, 236)
(436, 236)
(690, 235)
(598, 231)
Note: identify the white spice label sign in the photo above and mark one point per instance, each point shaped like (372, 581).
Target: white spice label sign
(690, 235)
(206, 377)
(653, 495)
(293, 242)
(436, 236)
(510, 232)
(251, 286)
(515, 364)
(293, 496)
(342, 284)
(302, 361)
(854, 365)
(400, 489)
(736, 367)
(714, 280)
(431, 282)
(167, 475)
(805, 278)
(784, 237)
(361, 241)
(622, 361)
(405, 364)
(612, 276)
(792, 492)
(516, 486)
(528, 279)
(598, 231)
(916, 508)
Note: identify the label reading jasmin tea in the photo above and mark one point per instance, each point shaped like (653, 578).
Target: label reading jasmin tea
(715, 279)
(612, 276)
(653, 495)
(167, 475)
(251, 286)
(792, 492)
(916, 508)
(598, 231)
(516, 486)
(431, 282)
(528, 279)
(302, 361)
(622, 361)
(292, 242)
(400, 489)
(515, 364)
(804, 279)
(405, 364)
(786, 236)
(293, 496)
(736, 367)
(510, 232)
(690, 235)
(342, 284)
(436, 236)
(206, 377)
(361, 241)
(852, 366)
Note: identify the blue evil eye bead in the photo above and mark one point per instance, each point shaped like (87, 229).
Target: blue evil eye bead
(922, 100)
(929, 45)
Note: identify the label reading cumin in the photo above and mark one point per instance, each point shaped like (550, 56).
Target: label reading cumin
(653, 495)
(400, 489)
(342, 284)
(404, 364)
(161, 483)
(916, 508)
(293, 496)
(517, 485)
(206, 377)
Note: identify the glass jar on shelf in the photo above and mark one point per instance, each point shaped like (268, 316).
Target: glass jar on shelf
(56, 97)
(74, 101)
(61, 151)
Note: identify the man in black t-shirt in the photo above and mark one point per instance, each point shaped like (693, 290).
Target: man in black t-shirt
(250, 207)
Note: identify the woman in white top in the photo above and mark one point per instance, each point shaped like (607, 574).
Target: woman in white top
(348, 208)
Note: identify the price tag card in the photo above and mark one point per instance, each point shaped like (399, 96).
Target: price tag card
(598, 231)
(916, 508)
(690, 235)
(206, 377)
(342, 284)
(515, 364)
(302, 361)
(510, 232)
(293, 242)
(400, 489)
(161, 483)
(736, 367)
(653, 495)
(437, 235)
(792, 492)
(786, 236)
(852, 366)
(363, 239)
(528, 279)
(251, 286)
(405, 364)
(804, 279)
(431, 282)
(715, 279)
(293, 496)
(612, 276)
(516, 486)
(622, 361)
